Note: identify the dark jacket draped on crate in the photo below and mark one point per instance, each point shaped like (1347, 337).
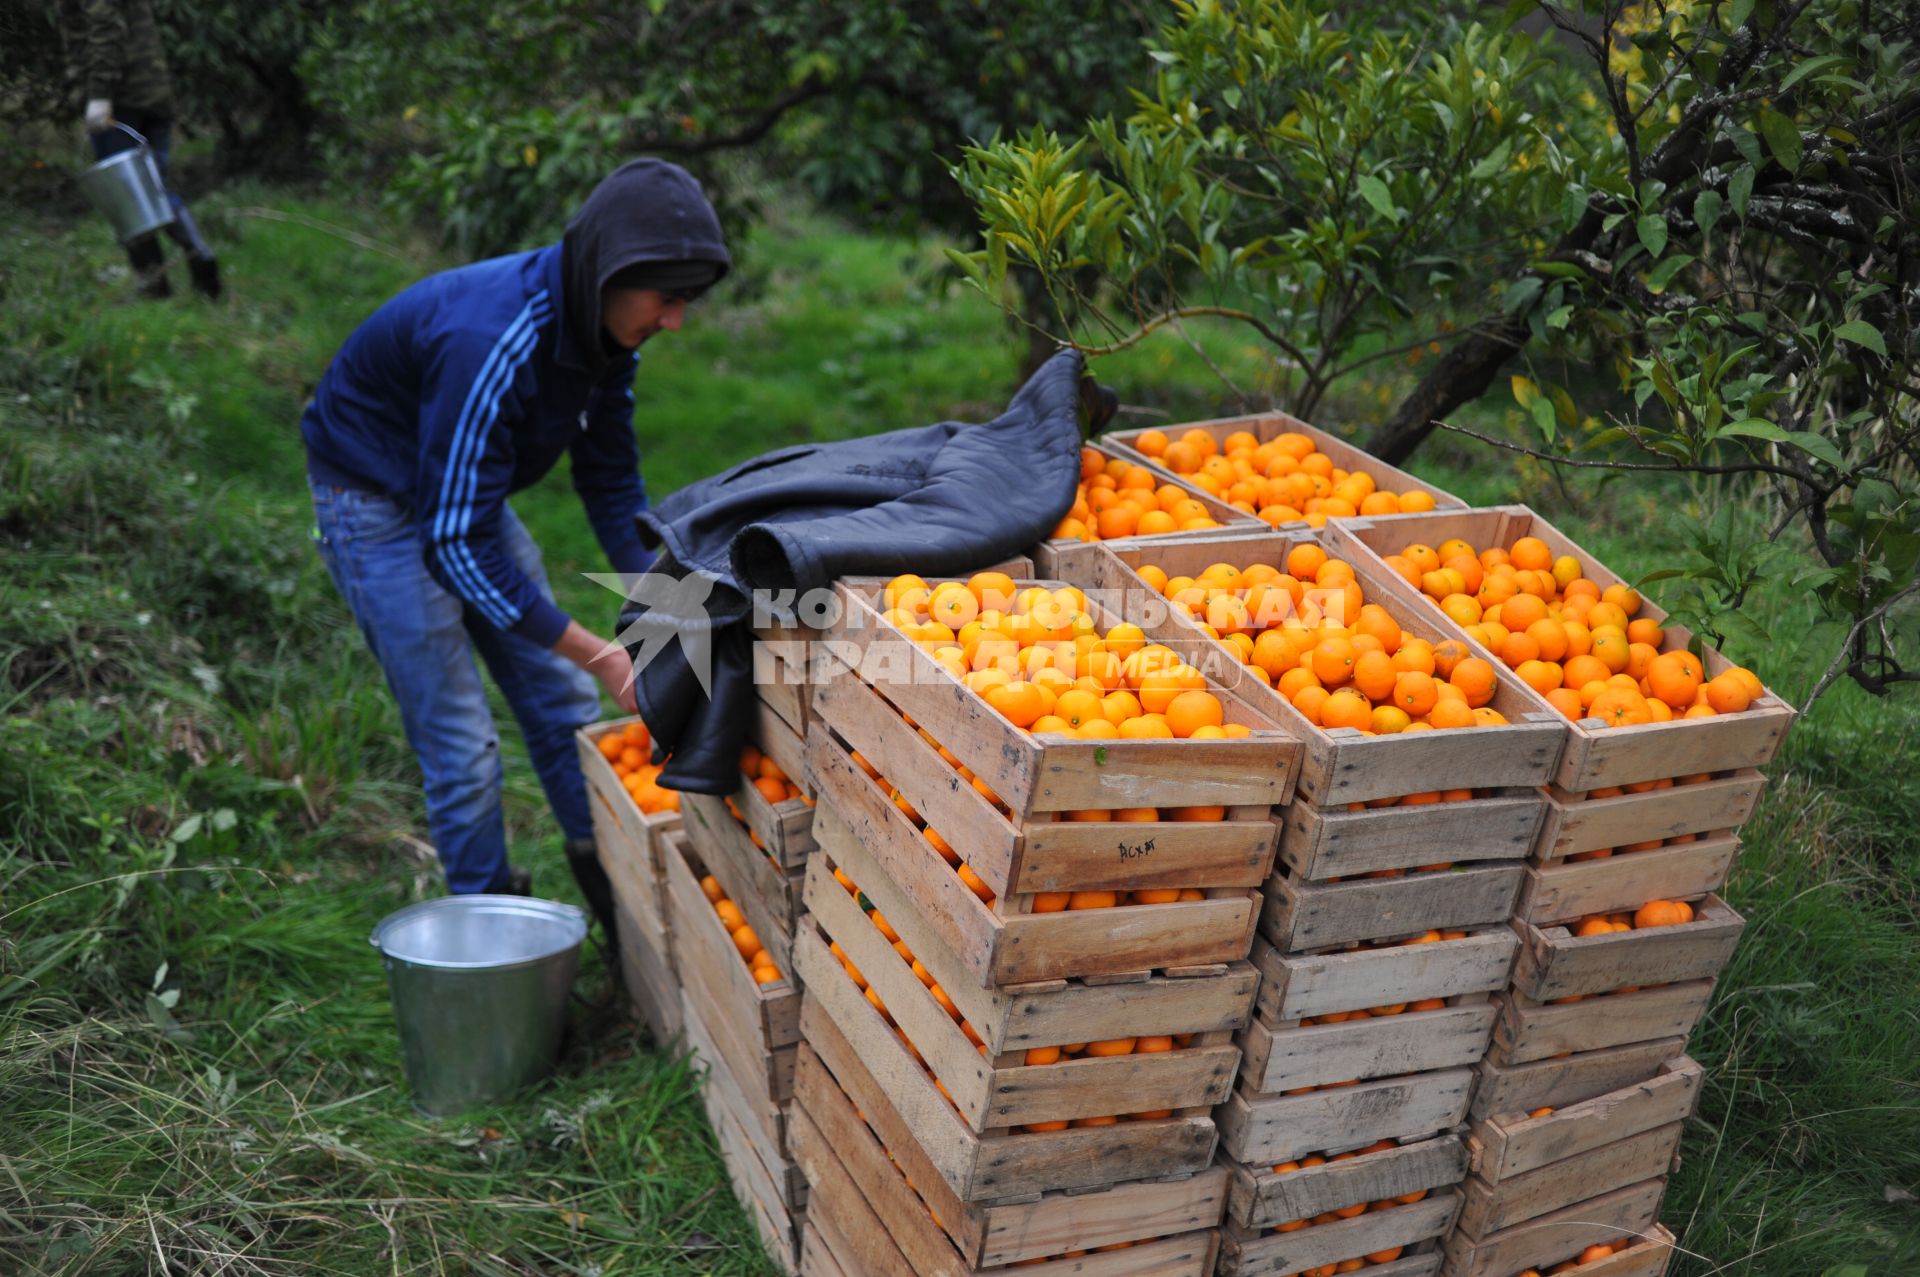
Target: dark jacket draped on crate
(934, 500)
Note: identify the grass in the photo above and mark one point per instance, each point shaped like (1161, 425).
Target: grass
(205, 801)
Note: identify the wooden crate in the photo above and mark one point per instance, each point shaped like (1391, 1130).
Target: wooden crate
(1276, 1128)
(1280, 1054)
(1004, 944)
(1529, 1030)
(1318, 842)
(1510, 1088)
(1339, 765)
(767, 892)
(1624, 1214)
(1035, 774)
(752, 1027)
(624, 835)
(1574, 823)
(1071, 560)
(651, 983)
(1259, 1199)
(1554, 963)
(784, 828)
(1043, 852)
(1596, 756)
(1567, 890)
(1295, 986)
(1299, 916)
(1525, 1167)
(1194, 999)
(863, 1131)
(999, 1091)
(1264, 427)
(765, 1178)
(1413, 1229)
(844, 1028)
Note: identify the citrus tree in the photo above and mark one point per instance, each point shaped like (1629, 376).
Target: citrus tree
(1710, 202)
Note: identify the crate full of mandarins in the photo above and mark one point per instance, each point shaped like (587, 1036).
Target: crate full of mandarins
(1644, 705)
(1281, 470)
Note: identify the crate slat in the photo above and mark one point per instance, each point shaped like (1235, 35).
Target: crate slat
(1277, 1128)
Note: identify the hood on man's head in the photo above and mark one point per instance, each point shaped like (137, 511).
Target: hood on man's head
(645, 211)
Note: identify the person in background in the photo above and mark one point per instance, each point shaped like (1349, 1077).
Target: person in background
(126, 78)
(463, 389)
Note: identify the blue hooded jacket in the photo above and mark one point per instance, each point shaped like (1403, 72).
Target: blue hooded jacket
(469, 385)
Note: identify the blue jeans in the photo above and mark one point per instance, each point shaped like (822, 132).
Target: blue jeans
(424, 638)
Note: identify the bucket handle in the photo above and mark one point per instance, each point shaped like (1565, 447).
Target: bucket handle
(130, 131)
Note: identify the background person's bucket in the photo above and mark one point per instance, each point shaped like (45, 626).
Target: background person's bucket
(480, 987)
(127, 189)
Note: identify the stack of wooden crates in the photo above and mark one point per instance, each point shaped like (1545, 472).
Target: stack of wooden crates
(978, 1150)
(684, 968)
(1578, 1114)
(1343, 1133)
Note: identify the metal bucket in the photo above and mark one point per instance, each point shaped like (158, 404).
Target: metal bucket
(479, 986)
(127, 188)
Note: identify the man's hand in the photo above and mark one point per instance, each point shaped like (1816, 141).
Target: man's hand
(99, 115)
(607, 662)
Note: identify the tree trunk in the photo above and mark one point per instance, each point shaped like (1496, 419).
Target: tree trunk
(1461, 376)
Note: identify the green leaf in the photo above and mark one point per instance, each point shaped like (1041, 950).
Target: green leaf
(1818, 445)
(1783, 138)
(1375, 192)
(1652, 230)
(1520, 294)
(1738, 13)
(1861, 333)
(1812, 66)
(1706, 209)
(1740, 189)
(1663, 274)
(1754, 428)
(1542, 412)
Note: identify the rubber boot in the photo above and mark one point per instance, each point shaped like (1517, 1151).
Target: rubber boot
(149, 266)
(583, 857)
(202, 266)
